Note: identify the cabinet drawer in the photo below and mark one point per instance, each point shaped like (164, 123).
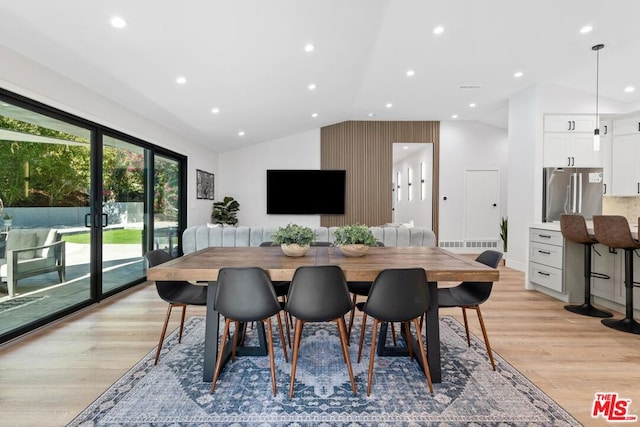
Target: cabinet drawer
(568, 123)
(546, 276)
(546, 254)
(545, 236)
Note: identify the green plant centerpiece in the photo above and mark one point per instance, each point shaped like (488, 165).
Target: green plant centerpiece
(294, 239)
(503, 233)
(354, 240)
(226, 211)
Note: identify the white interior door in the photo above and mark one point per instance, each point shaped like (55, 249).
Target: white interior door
(482, 205)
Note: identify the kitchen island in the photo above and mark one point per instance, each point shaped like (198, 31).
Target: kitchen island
(556, 268)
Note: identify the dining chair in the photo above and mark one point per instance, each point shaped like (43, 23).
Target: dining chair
(176, 293)
(469, 295)
(397, 295)
(319, 294)
(245, 294)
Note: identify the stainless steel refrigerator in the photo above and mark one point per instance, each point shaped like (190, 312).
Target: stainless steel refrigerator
(572, 191)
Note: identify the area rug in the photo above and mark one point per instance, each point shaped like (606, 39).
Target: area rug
(173, 394)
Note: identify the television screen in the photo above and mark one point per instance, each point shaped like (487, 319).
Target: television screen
(305, 192)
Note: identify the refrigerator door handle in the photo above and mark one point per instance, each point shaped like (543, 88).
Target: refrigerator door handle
(572, 192)
(579, 193)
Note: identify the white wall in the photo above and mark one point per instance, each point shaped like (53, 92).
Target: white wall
(24, 77)
(416, 209)
(466, 145)
(243, 175)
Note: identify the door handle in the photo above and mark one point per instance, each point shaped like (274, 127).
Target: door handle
(568, 161)
(544, 252)
(573, 123)
(606, 130)
(543, 273)
(569, 123)
(605, 188)
(87, 220)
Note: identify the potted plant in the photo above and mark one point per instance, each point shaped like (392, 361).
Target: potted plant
(294, 239)
(225, 212)
(7, 220)
(354, 240)
(503, 233)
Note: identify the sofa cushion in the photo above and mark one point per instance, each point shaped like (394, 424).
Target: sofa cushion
(22, 239)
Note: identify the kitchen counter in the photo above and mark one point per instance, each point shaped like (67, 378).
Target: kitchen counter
(555, 226)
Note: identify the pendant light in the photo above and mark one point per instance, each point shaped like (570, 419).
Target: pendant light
(596, 131)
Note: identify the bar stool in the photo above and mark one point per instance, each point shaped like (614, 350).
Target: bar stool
(614, 231)
(574, 229)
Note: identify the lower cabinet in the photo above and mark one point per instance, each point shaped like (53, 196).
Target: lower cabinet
(556, 268)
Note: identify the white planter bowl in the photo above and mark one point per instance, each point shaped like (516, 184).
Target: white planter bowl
(294, 249)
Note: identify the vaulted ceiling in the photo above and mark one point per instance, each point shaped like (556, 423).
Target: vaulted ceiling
(247, 58)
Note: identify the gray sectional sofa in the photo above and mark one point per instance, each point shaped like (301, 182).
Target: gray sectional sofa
(203, 236)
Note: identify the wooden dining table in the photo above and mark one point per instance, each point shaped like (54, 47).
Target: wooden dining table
(440, 266)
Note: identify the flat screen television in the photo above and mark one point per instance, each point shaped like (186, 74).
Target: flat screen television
(305, 192)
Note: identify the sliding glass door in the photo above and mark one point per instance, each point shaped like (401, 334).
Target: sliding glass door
(80, 204)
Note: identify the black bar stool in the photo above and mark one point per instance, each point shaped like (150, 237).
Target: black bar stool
(614, 231)
(574, 229)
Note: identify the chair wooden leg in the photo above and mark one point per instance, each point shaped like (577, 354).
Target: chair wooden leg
(272, 362)
(284, 344)
(163, 333)
(393, 333)
(296, 346)
(342, 329)
(235, 341)
(423, 354)
(486, 337)
(372, 356)
(216, 373)
(407, 332)
(466, 325)
(364, 323)
(184, 312)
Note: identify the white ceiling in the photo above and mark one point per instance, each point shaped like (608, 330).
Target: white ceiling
(247, 58)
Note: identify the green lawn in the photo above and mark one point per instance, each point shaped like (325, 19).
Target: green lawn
(108, 237)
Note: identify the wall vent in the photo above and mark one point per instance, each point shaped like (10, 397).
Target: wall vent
(477, 244)
(469, 87)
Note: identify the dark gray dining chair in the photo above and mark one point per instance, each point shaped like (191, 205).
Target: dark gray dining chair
(176, 293)
(245, 294)
(471, 295)
(319, 294)
(397, 295)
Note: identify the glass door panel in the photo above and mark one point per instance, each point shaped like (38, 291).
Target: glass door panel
(45, 191)
(123, 213)
(166, 204)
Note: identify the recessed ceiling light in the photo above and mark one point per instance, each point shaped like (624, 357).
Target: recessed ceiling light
(586, 29)
(314, 115)
(472, 105)
(438, 30)
(455, 116)
(518, 74)
(309, 47)
(215, 110)
(312, 86)
(241, 133)
(629, 89)
(406, 147)
(389, 105)
(371, 115)
(118, 22)
(411, 73)
(181, 80)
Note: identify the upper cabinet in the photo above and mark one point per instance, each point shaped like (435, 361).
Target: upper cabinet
(625, 152)
(568, 141)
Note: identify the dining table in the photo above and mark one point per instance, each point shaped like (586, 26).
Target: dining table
(439, 264)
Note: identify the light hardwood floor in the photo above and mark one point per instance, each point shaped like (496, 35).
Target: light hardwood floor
(47, 378)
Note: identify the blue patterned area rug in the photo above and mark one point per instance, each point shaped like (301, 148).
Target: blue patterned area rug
(173, 394)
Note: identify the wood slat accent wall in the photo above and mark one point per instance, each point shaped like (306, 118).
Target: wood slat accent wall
(365, 150)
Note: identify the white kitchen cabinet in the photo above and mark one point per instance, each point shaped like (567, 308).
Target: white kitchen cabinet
(626, 126)
(545, 258)
(607, 262)
(568, 142)
(625, 172)
(605, 154)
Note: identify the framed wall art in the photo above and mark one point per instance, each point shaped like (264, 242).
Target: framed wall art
(205, 185)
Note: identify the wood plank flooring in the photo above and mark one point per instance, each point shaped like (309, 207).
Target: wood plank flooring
(48, 377)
